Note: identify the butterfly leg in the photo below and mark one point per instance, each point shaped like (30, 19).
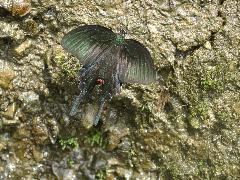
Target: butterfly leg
(75, 105)
(117, 83)
(101, 105)
(78, 100)
(85, 86)
(85, 89)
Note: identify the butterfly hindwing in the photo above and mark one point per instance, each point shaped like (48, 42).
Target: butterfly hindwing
(139, 64)
(88, 42)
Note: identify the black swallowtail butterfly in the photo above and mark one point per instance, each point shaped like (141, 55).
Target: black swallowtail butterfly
(108, 59)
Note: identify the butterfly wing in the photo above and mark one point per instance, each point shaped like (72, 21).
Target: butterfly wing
(139, 67)
(88, 42)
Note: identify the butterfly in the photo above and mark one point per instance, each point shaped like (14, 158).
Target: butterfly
(108, 60)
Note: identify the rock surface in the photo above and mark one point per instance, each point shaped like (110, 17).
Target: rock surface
(186, 128)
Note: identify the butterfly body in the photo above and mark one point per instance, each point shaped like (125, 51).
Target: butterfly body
(109, 60)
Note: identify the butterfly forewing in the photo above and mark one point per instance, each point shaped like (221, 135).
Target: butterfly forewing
(88, 42)
(139, 68)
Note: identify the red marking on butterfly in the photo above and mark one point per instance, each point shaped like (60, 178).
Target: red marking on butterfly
(100, 81)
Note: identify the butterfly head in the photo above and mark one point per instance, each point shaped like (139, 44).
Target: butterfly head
(119, 40)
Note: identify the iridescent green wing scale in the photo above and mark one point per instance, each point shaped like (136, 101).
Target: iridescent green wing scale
(139, 64)
(88, 42)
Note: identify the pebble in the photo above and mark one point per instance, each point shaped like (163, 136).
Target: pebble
(17, 7)
(6, 76)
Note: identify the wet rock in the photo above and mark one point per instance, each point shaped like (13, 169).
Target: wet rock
(11, 30)
(236, 107)
(5, 103)
(23, 149)
(22, 47)
(39, 131)
(148, 164)
(67, 167)
(22, 132)
(7, 122)
(3, 145)
(6, 76)
(99, 160)
(88, 115)
(37, 154)
(29, 97)
(195, 123)
(30, 101)
(1, 91)
(125, 144)
(124, 173)
(67, 174)
(208, 45)
(10, 112)
(31, 27)
(115, 135)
